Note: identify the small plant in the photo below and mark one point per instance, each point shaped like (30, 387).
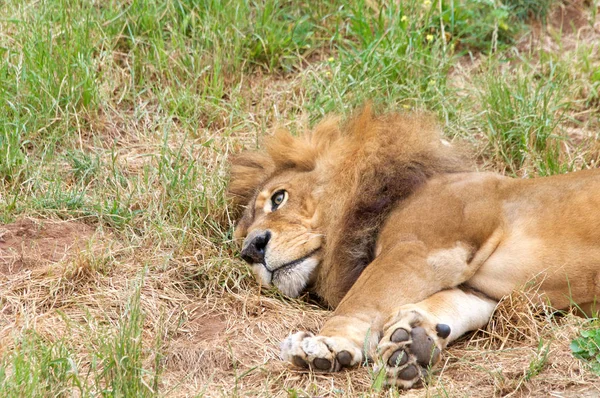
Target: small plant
(587, 348)
(540, 360)
(84, 166)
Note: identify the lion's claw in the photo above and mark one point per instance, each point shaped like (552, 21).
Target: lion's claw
(411, 344)
(321, 353)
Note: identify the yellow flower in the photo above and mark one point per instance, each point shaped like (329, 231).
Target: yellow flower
(427, 3)
(429, 37)
(431, 82)
(327, 73)
(330, 59)
(406, 106)
(404, 18)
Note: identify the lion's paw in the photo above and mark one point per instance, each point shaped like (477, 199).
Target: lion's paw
(322, 353)
(411, 345)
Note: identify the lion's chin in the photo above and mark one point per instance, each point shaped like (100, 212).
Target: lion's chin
(291, 281)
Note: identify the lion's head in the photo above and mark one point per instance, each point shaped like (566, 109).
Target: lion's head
(314, 204)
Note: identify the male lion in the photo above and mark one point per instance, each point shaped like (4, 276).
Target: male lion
(381, 220)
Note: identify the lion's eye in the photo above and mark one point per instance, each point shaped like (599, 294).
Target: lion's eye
(278, 199)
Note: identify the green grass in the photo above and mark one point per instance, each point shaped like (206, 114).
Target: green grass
(37, 366)
(123, 114)
(523, 117)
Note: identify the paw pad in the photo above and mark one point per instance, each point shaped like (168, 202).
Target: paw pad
(344, 358)
(399, 335)
(412, 343)
(409, 373)
(398, 358)
(320, 353)
(322, 364)
(299, 362)
(423, 347)
(442, 330)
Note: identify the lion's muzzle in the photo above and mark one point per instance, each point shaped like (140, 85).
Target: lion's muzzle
(288, 270)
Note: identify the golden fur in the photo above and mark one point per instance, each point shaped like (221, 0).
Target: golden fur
(356, 172)
(379, 217)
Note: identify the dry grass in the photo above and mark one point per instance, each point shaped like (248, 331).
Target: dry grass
(223, 340)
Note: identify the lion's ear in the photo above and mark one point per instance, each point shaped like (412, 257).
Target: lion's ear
(249, 170)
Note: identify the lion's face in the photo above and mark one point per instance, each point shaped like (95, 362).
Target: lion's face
(282, 240)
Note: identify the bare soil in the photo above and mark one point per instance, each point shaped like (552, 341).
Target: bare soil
(29, 243)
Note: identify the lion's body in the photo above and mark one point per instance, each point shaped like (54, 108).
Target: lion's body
(383, 222)
(494, 234)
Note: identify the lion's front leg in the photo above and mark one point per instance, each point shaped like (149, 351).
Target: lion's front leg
(341, 343)
(357, 324)
(414, 339)
(382, 295)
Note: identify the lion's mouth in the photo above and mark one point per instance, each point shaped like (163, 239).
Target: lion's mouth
(290, 278)
(286, 268)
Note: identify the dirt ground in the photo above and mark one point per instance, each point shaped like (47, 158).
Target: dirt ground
(233, 339)
(29, 244)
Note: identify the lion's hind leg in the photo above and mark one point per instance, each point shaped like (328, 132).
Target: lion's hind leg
(413, 340)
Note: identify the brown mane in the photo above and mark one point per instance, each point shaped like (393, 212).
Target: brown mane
(365, 166)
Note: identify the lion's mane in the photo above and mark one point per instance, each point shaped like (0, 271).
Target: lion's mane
(365, 166)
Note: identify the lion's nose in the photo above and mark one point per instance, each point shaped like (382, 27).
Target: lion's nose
(255, 245)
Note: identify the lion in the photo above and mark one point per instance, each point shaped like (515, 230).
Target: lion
(390, 227)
